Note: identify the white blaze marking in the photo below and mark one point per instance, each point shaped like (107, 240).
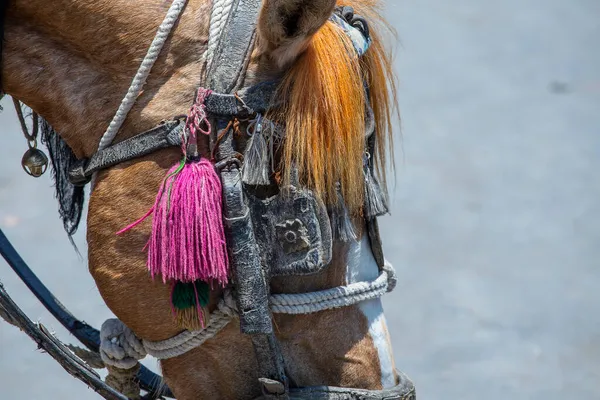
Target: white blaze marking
(363, 267)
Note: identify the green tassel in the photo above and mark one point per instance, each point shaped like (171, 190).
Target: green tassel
(184, 295)
(190, 304)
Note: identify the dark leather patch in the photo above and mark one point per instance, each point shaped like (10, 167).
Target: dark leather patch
(293, 231)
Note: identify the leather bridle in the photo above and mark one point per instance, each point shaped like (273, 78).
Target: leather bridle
(225, 78)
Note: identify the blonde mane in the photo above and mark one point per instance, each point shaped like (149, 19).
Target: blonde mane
(324, 110)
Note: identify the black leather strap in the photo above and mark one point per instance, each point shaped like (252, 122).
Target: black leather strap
(245, 259)
(246, 102)
(251, 285)
(167, 134)
(232, 54)
(373, 224)
(404, 390)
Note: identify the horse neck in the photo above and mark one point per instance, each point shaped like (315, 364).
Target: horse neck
(72, 61)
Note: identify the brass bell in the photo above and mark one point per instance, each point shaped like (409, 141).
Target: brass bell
(34, 162)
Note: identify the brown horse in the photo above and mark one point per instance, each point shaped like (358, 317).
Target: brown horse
(71, 61)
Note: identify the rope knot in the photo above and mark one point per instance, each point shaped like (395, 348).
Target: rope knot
(196, 123)
(119, 346)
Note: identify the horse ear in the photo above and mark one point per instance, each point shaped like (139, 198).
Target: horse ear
(285, 27)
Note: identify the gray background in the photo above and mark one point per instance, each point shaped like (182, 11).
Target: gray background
(495, 210)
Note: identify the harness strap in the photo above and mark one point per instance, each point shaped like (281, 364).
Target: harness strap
(246, 102)
(251, 288)
(404, 390)
(226, 74)
(167, 134)
(372, 223)
(231, 56)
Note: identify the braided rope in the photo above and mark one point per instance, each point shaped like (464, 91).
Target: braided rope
(142, 74)
(189, 340)
(341, 296)
(120, 347)
(218, 18)
(124, 380)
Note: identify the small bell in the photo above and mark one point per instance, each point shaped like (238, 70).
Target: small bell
(34, 162)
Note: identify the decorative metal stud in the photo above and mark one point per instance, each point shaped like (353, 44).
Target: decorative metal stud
(292, 235)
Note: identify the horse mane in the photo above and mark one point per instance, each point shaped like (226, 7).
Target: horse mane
(70, 197)
(324, 110)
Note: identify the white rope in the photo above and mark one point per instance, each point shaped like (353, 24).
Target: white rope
(218, 18)
(341, 296)
(189, 340)
(142, 74)
(120, 347)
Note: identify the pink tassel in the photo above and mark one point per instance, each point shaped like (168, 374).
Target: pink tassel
(188, 240)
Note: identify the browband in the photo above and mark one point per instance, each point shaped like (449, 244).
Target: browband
(243, 104)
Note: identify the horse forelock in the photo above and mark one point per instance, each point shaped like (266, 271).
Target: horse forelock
(324, 110)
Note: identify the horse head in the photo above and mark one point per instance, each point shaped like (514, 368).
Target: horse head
(71, 61)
